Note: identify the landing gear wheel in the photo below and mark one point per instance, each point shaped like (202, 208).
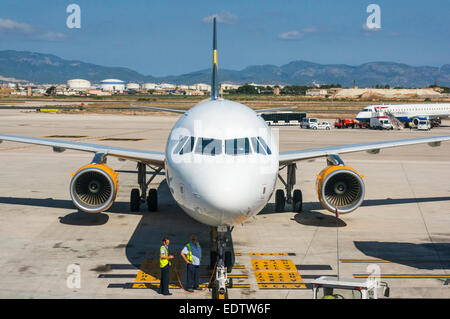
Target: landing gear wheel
(152, 200)
(280, 200)
(297, 201)
(135, 200)
(228, 261)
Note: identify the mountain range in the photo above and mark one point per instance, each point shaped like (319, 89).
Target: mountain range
(48, 68)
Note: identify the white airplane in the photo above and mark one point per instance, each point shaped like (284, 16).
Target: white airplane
(221, 164)
(407, 112)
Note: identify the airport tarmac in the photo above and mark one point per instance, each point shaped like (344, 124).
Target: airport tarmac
(402, 227)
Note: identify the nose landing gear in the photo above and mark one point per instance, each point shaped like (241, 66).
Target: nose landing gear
(221, 262)
(139, 196)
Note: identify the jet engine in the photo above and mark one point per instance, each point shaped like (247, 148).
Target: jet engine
(93, 188)
(340, 187)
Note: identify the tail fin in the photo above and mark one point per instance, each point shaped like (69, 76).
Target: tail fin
(214, 84)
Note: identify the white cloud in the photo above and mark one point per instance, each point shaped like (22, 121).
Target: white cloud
(10, 27)
(222, 17)
(13, 26)
(296, 35)
(52, 36)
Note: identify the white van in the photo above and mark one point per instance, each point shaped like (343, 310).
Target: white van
(381, 123)
(424, 125)
(309, 122)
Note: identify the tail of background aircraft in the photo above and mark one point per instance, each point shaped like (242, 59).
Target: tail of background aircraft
(214, 85)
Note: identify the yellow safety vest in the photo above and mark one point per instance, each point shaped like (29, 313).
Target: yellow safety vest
(189, 255)
(163, 261)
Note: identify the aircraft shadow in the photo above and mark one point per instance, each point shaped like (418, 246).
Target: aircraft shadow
(427, 256)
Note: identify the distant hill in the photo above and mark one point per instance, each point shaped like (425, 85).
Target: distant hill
(47, 68)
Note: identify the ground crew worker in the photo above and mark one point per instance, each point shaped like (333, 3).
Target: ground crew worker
(164, 264)
(410, 125)
(192, 253)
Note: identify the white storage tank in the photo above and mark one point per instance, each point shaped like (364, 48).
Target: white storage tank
(78, 84)
(113, 85)
(133, 86)
(150, 86)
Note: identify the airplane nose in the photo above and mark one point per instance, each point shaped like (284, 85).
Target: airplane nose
(231, 194)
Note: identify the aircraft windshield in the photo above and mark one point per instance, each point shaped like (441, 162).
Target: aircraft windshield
(184, 146)
(264, 145)
(208, 146)
(237, 146)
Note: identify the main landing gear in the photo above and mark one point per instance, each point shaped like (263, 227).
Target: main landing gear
(221, 262)
(293, 197)
(139, 195)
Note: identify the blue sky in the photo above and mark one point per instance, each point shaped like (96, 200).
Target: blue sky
(160, 37)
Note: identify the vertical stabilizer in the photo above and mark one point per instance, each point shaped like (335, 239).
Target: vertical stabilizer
(214, 85)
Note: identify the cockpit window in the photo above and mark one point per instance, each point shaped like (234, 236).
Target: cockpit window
(264, 145)
(180, 144)
(185, 145)
(208, 146)
(237, 146)
(257, 147)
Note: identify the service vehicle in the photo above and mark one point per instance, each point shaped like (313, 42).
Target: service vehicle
(327, 287)
(321, 126)
(308, 122)
(344, 123)
(424, 125)
(381, 123)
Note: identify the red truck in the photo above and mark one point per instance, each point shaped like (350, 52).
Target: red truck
(344, 123)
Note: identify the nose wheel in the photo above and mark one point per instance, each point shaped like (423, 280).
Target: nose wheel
(221, 263)
(140, 196)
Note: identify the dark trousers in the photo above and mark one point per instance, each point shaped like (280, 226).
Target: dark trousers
(193, 276)
(164, 285)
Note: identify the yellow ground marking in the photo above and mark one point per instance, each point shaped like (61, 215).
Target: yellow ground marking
(273, 265)
(151, 272)
(238, 276)
(149, 285)
(268, 254)
(48, 110)
(281, 286)
(238, 267)
(278, 277)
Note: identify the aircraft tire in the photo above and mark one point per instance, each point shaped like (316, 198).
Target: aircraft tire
(135, 200)
(297, 201)
(280, 200)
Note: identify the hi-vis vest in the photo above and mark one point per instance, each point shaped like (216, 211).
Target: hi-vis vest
(189, 255)
(163, 261)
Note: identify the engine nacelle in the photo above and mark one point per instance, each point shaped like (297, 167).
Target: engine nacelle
(340, 187)
(93, 188)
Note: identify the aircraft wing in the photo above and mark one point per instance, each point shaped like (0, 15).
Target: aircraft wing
(155, 158)
(373, 147)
